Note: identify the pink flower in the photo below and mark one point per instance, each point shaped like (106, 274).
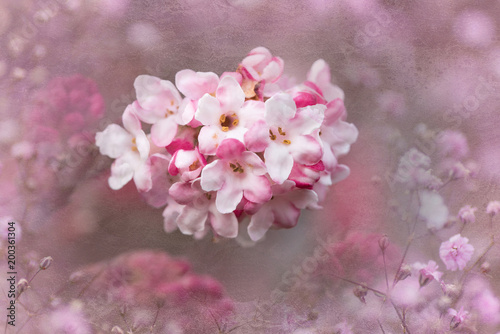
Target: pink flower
(453, 144)
(428, 272)
(457, 317)
(466, 214)
(260, 65)
(320, 75)
(226, 115)
(283, 210)
(130, 147)
(157, 103)
(493, 208)
(456, 252)
(194, 85)
(187, 163)
(237, 173)
(286, 136)
(191, 210)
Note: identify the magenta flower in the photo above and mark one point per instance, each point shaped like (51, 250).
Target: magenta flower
(157, 104)
(237, 173)
(456, 252)
(187, 163)
(428, 272)
(466, 214)
(130, 147)
(457, 317)
(286, 136)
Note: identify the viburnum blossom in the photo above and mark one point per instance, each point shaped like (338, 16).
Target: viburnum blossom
(130, 147)
(236, 148)
(456, 252)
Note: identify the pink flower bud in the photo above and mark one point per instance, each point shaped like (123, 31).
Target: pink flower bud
(383, 242)
(22, 286)
(360, 292)
(46, 262)
(403, 272)
(493, 208)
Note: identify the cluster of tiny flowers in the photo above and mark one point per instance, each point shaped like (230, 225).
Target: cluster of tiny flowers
(245, 146)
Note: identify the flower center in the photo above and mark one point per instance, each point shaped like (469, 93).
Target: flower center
(236, 167)
(228, 122)
(281, 133)
(134, 145)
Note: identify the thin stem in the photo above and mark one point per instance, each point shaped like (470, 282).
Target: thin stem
(385, 271)
(403, 322)
(363, 285)
(380, 325)
(410, 239)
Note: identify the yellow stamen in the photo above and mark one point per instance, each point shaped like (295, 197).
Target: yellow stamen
(225, 128)
(286, 141)
(272, 135)
(281, 132)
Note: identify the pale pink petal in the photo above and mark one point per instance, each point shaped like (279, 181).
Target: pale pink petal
(213, 176)
(183, 192)
(225, 225)
(285, 214)
(302, 198)
(340, 173)
(273, 70)
(253, 161)
(257, 189)
(114, 141)
(130, 121)
(230, 148)
(170, 214)
(142, 144)
(121, 173)
(305, 150)
(196, 84)
(209, 139)
(155, 94)
(279, 162)
(163, 131)
(142, 178)
(308, 119)
(230, 95)
(260, 223)
(280, 109)
(251, 112)
(257, 137)
(209, 110)
(228, 197)
(191, 220)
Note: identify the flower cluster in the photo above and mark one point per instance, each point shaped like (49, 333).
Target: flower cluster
(243, 147)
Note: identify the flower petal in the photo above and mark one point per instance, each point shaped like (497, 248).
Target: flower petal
(196, 84)
(225, 225)
(279, 162)
(212, 176)
(230, 148)
(230, 94)
(228, 198)
(191, 220)
(257, 189)
(114, 141)
(209, 110)
(121, 173)
(260, 223)
(280, 109)
(163, 131)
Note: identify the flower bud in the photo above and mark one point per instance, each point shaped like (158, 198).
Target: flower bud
(383, 242)
(46, 262)
(360, 292)
(22, 286)
(403, 272)
(493, 208)
(485, 268)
